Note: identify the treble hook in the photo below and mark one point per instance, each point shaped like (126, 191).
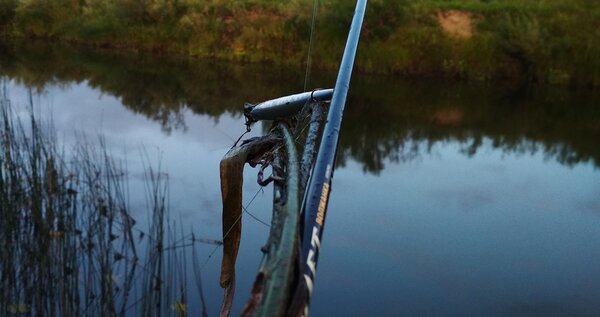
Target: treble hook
(268, 161)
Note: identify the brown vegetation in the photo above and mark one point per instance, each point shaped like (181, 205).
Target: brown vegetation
(456, 23)
(447, 117)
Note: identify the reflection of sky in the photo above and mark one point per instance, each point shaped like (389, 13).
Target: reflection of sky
(493, 234)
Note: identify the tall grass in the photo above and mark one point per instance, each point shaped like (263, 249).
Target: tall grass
(69, 243)
(534, 41)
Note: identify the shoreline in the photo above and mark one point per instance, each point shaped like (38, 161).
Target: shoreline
(468, 40)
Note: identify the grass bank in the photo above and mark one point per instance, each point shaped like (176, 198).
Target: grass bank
(545, 41)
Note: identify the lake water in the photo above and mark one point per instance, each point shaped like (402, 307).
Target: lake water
(448, 199)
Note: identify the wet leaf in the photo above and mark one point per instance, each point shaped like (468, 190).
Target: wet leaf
(231, 170)
(232, 167)
(180, 308)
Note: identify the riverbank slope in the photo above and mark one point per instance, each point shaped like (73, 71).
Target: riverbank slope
(556, 42)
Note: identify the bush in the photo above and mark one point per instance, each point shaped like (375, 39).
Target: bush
(7, 12)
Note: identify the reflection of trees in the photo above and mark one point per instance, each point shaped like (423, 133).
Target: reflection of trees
(158, 88)
(399, 121)
(385, 119)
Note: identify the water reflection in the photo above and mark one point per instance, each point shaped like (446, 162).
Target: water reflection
(400, 120)
(494, 234)
(387, 119)
(493, 211)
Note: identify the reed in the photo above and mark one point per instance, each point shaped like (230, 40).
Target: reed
(69, 243)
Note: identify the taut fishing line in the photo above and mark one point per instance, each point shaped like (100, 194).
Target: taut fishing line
(233, 225)
(310, 45)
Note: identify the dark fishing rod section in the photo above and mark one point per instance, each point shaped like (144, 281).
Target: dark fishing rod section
(317, 196)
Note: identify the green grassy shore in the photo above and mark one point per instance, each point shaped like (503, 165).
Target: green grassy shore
(539, 41)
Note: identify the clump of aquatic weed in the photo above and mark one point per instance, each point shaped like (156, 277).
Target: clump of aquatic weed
(69, 244)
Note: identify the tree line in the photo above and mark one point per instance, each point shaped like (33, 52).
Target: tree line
(554, 42)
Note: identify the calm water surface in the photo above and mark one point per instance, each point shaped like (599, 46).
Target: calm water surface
(448, 199)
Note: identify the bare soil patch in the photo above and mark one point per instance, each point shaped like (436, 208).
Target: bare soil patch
(456, 23)
(448, 117)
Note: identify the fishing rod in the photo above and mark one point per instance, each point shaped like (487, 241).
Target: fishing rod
(316, 197)
(286, 275)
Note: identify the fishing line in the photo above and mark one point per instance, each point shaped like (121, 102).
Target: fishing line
(241, 136)
(310, 45)
(231, 228)
(256, 218)
(306, 126)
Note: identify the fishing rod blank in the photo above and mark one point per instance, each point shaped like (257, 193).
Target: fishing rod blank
(317, 195)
